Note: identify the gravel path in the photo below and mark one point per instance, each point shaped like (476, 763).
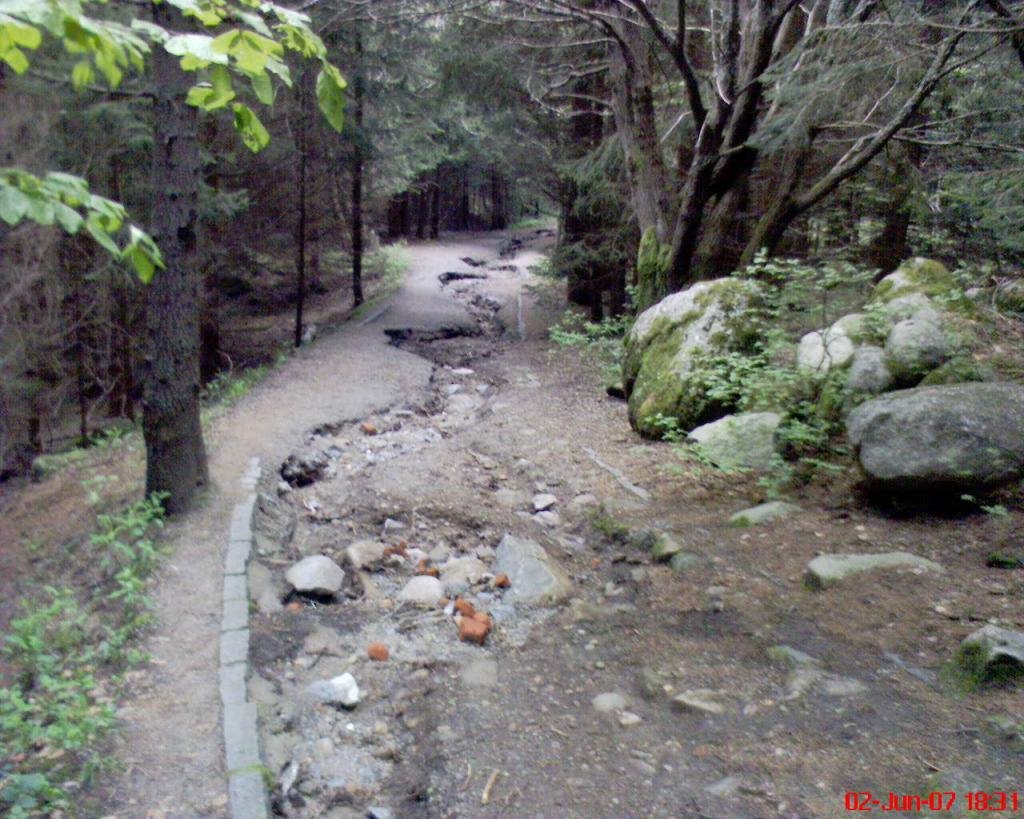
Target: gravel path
(171, 742)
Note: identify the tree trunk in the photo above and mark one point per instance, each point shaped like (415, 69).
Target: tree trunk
(175, 454)
(300, 225)
(422, 212)
(358, 163)
(435, 205)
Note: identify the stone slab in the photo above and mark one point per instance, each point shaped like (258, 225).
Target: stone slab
(234, 647)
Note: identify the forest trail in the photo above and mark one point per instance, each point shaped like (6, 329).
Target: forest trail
(171, 743)
(715, 686)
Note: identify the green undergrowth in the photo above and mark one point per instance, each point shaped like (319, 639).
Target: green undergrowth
(65, 657)
(390, 263)
(601, 342)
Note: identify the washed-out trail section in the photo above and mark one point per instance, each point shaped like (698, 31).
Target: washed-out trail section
(171, 743)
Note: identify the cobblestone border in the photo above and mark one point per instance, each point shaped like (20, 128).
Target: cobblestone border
(246, 785)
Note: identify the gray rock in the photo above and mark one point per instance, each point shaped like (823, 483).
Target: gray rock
(951, 437)
(683, 562)
(665, 547)
(701, 700)
(365, 554)
(543, 502)
(341, 690)
(536, 576)
(843, 687)
(792, 657)
(827, 570)
(729, 786)
(996, 647)
(915, 347)
(915, 276)
(461, 572)
(913, 305)
(609, 702)
(422, 590)
(764, 513)
(825, 350)
(316, 574)
(852, 325)
(869, 373)
(745, 441)
(627, 719)
(547, 519)
(582, 502)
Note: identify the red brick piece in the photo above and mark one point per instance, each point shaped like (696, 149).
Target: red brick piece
(464, 607)
(378, 652)
(502, 581)
(472, 630)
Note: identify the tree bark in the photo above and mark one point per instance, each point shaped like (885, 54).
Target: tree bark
(300, 225)
(175, 453)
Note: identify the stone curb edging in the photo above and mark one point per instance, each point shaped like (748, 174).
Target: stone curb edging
(246, 786)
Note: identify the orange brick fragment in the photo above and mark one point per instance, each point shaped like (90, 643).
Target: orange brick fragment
(502, 581)
(378, 652)
(473, 630)
(295, 605)
(464, 607)
(424, 567)
(483, 617)
(368, 428)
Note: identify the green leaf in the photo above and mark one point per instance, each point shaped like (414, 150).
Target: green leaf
(248, 125)
(196, 51)
(216, 95)
(68, 218)
(82, 74)
(263, 88)
(16, 60)
(101, 237)
(13, 203)
(143, 253)
(330, 86)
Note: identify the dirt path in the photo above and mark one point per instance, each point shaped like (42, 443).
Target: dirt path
(171, 741)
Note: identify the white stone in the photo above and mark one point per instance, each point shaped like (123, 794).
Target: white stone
(422, 590)
(543, 502)
(317, 574)
(609, 702)
(365, 554)
(821, 351)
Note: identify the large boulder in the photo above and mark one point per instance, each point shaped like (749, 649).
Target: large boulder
(955, 437)
(869, 373)
(915, 347)
(745, 441)
(825, 350)
(667, 343)
(915, 277)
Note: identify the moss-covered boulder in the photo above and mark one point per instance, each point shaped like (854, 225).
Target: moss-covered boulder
(955, 438)
(915, 347)
(668, 342)
(915, 276)
(960, 370)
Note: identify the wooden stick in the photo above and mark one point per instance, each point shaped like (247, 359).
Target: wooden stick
(485, 797)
